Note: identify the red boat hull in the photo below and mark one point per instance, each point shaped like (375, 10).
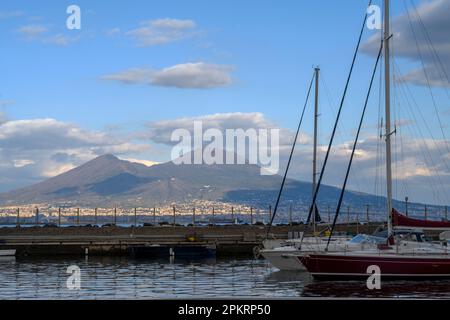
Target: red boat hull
(355, 266)
(400, 220)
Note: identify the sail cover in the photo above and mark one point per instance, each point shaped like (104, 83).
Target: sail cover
(317, 217)
(400, 220)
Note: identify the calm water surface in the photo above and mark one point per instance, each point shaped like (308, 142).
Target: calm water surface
(123, 278)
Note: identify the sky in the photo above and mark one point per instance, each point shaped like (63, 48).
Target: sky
(136, 70)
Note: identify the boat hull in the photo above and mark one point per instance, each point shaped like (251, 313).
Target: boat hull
(330, 266)
(177, 251)
(7, 253)
(283, 261)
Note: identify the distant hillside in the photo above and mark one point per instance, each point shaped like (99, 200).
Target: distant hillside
(107, 181)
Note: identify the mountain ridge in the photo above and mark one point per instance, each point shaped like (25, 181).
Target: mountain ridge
(108, 180)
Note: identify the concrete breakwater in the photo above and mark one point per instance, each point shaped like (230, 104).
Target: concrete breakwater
(113, 240)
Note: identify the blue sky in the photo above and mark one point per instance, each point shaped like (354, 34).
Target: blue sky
(260, 54)
(272, 48)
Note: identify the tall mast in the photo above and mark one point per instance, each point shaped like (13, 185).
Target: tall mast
(316, 114)
(387, 75)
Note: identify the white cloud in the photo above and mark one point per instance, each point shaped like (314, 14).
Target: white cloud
(32, 31)
(161, 131)
(122, 148)
(162, 31)
(193, 75)
(22, 162)
(59, 39)
(420, 167)
(132, 76)
(5, 103)
(198, 75)
(417, 163)
(147, 163)
(434, 16)
(173, 24)
(53, 169)
(46, 134)
(417, 76)
(10, 14)
(40, 33)
(33, 149)
(113, 31)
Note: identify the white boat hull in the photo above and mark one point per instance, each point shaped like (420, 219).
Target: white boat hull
(7, 253)
(284, 261)
(286, 258)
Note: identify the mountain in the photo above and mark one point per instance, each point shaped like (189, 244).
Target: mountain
(108, 181)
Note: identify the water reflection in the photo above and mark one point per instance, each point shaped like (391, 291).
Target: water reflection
(389, 289)
(124, 278)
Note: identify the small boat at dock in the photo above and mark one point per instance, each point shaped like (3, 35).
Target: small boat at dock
(176, 250)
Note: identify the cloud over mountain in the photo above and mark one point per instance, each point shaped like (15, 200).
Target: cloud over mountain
(161, 131)
(37, 148)
(33, 149)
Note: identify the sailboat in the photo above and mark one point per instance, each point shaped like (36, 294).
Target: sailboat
(395, 258)
(400, 220)
(284, 255)
(281, 256)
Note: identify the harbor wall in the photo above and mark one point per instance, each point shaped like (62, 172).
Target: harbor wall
(231, 240)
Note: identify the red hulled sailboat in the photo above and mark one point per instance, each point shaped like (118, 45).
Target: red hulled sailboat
(400, 220)
(399, 257)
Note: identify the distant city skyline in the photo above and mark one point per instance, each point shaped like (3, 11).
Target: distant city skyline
(137, 70)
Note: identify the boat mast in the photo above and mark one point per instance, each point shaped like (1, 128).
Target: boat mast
(316, 114)
(388, 115)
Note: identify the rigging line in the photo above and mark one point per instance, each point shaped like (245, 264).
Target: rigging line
(313, 202)
(338, 132)
(433, 49)
(401, 81)
(341, 196)
(382, 174)
(379, 132)
(402, 155)
(412, 113)
(394, 116)
(398, 144)
(426, 155)
(394, 142)
(380, 159)
(398, 126)
(290, 157)
(427, 79)
(400, 130)
(433, 188)
(425, 161)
